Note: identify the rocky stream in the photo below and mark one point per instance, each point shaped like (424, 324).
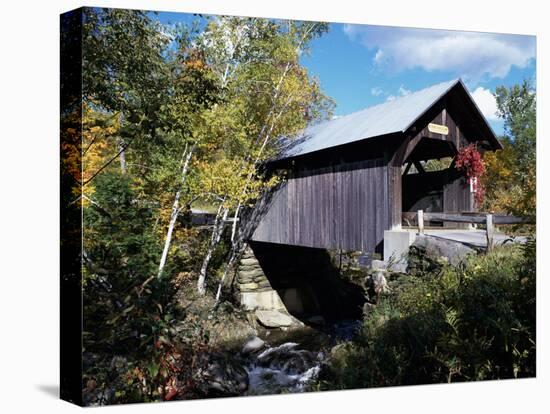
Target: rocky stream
(282, 362)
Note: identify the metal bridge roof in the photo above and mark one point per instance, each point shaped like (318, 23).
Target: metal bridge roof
(386, 118)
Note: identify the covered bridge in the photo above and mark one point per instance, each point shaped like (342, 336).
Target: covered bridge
(349, 179)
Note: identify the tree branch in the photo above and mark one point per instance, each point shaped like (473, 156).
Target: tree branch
(109, 162)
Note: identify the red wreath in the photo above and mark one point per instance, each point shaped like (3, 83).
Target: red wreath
(470, 161)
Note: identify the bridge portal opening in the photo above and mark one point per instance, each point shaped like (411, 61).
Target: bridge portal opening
(430, 182)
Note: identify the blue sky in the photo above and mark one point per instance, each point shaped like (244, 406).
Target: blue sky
(363, 65)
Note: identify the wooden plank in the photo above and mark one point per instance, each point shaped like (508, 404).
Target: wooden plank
(420, 218)
(385, 204)
(374, 203)
(468, 217)
(489, 231)
(334, 206)
(419, 167)
(453, 218)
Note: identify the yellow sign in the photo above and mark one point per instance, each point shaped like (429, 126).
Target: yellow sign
(438, 129)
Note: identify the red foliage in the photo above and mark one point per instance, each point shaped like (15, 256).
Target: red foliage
(470, 161)
(171, 390)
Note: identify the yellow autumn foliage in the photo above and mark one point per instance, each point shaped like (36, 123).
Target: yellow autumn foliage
(98, 144)
(505, 192)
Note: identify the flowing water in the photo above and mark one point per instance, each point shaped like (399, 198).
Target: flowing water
(292, 366)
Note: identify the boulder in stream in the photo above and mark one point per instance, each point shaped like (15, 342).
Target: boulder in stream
(252, 345)
(273, 318)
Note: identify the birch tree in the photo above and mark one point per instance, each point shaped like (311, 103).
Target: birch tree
(194, 91)
(273, 94)
(229, 44)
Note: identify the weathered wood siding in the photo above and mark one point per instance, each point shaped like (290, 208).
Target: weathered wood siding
(457, 196)
(345, 206)
(455, 135)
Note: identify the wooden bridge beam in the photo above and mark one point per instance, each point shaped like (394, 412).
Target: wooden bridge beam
(395, 180)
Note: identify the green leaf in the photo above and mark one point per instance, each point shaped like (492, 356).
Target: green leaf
(153, 369)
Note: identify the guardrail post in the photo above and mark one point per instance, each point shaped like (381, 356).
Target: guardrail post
(490, 231)
(420, 219)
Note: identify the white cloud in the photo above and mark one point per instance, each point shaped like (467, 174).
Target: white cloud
(379, 57)
(403, 91)
(486, 102)
(376, 91)
(470, 55)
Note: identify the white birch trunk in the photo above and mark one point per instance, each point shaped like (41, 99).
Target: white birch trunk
(234, 244)
(277, 90)
(175, 211)
(225, 273)
(217, 232)
(249, 177)
(122, 155)
(235, 219)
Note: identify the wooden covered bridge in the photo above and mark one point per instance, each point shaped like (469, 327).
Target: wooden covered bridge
(351, 178)
(349, 184)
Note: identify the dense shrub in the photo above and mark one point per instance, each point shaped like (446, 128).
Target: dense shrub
(472, 322)
(120, 296)
(132, 351)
